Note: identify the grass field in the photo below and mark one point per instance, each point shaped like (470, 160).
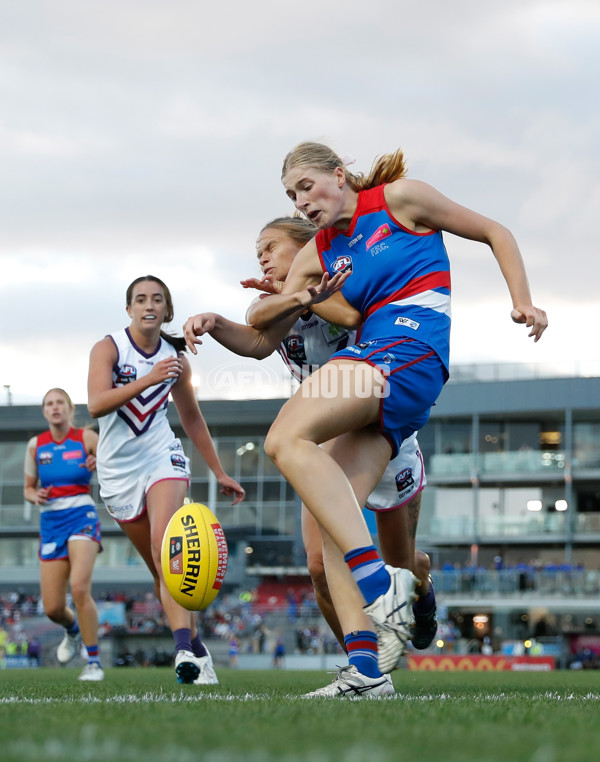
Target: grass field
(142, 714)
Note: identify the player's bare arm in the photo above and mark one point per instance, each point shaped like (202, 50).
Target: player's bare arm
(421, 207)
(103, 398)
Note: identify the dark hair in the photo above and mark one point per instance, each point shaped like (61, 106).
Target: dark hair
(176, 341)
(298, 229)
(385, 169)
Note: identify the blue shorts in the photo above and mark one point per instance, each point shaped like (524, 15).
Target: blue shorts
(58, 527)
(415, 377)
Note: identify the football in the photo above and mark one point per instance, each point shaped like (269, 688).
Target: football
(194, 556)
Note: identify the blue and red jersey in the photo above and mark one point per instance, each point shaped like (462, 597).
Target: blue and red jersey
(400, 279)
(61, 466)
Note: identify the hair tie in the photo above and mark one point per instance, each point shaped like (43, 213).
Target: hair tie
(347, 160)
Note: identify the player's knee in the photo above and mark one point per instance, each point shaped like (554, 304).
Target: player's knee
(55, 611)
(422, 564)
(80, 592)
(273, 442)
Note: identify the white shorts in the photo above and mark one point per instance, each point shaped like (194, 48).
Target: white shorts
(125, 495)
(403, 478)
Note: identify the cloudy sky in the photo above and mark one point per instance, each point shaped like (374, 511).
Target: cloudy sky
(147, 137)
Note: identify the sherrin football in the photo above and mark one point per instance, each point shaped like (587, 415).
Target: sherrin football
(194, 556)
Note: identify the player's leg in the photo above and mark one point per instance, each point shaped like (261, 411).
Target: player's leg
(82, 556)
(313, 545)
(354, 453)
(54, 582)
(397, 532)
(309, 419)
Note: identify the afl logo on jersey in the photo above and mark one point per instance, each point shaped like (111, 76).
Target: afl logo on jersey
(294, 347)
(46, 458)
(342, 264)
(126, 374)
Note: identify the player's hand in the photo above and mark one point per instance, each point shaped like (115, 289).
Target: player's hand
(230, 487)
(42, 495)
(533, 318)
(196, 326)
(266, 284)
(90, 463)
(327, 287)
(165, 370)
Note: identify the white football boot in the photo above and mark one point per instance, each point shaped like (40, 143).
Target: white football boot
(350, 683)
(92, 671)
(69, 647)
(207, 675)
(187, 666)
(391, 614)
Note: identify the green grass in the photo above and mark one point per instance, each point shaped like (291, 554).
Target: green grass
(142, 714)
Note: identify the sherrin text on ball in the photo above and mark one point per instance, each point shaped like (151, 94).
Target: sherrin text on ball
(194, 556)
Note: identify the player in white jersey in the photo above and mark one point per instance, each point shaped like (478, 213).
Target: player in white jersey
(143, 472)
(305, 343)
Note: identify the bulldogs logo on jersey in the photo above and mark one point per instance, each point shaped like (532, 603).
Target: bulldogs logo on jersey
(404, 479)
(342, 264)
(294, 347)
(126, 374)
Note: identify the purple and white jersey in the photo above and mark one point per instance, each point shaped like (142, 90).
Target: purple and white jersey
(140, 429)
(310, 342)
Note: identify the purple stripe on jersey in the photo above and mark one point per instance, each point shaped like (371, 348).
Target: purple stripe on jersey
(137, 349)
(132, 425)
(145, 399)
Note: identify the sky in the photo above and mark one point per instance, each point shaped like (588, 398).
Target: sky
(147, 137)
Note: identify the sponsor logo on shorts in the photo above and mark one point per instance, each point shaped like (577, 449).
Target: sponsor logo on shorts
(46, 458)
(175, 446)
(119, 510)
(176, 555)
(126, 374)
(178, 461)
(407, 322)
(48, 548)
(404, 479)
(342, 264)
(192, 542)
